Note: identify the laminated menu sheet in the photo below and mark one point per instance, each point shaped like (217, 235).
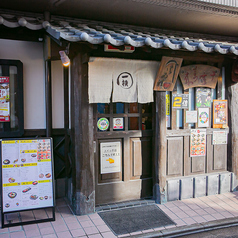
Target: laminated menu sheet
(27, 174)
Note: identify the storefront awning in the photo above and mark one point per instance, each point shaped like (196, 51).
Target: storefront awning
(94, 32)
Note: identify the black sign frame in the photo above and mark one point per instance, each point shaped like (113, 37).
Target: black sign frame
(31, 209)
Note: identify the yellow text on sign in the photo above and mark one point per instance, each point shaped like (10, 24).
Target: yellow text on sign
(177, 102)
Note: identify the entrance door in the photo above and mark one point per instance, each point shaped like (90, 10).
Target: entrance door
(123, 155)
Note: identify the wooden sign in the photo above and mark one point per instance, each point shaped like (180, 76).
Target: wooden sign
(199, 76)
(220, 114)
(167, 74)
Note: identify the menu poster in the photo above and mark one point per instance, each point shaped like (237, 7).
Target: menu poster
(27, 174)
(198, 142)
(4, 99)
(220, 114)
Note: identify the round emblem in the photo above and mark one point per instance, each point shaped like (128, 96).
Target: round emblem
(203, 117)
(125, 80)
(103, 124)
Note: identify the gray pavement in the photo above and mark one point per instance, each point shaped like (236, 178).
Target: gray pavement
(191, 216)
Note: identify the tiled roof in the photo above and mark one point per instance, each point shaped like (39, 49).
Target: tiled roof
(94, 32)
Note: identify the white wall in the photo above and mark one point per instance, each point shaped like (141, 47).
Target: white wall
(31, 55)
(57, 94)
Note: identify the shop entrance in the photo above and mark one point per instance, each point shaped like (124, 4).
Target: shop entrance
(123, 134)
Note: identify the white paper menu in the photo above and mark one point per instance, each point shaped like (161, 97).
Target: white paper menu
(27, 181)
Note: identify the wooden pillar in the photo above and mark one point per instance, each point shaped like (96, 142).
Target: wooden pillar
(83, 178)
(160, 148)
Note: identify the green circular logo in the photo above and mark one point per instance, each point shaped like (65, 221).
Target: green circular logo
(103, 124)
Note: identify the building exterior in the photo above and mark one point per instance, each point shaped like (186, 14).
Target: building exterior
(117, 133)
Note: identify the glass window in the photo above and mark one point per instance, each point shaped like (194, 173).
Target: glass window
(11, 97)
(133, 107)
(118, 108)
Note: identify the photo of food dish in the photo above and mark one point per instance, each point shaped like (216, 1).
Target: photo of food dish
(41, 198)
(23, 160)
(12, 194)
(6, 161)
(48, 175)
(11, 180)
(7, 205)
(35, 182)
(26, 190)
(46, 197)
(41, 175)
(15, 161)
(33, 155)
(33, 197)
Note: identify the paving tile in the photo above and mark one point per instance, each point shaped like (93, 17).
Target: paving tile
(185, 208)
(227, 214)
(64, 234)
(50, 236)
(98, 222)
(30, 227)
(17, 234)
(95, 236)
(44, 225)
(159, 228)
(61, 202)
(91, 230)
(172, 215)
(74, 226)
(103, 228)
(108, 234)
(47, 230)
(85, 224)
(32, 233)
(15, 228)
(180, 222)
(65, 211)
(199, 219)
(4, 230)
(94, 216)
(70, 219)
(208, 218)
(83, 218)
(169, 205)
(191, 213)
(5, 235)
(136, 233)
(77, 233)
(210, 210)
(181, 214)
(218, 216)
(201, 212)
(60, 228)
(188, 221)
(124, 235)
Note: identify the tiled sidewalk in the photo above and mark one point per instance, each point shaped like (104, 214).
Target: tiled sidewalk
(185, 214)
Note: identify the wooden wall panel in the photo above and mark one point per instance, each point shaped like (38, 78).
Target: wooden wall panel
(141, 157)
(220, 157)
(136, 157)
(198, 164)
(175, 156)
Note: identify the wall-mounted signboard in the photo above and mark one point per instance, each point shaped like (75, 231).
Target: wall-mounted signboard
(180, 101)
(220, 114)
(110, 157)
(27, 174)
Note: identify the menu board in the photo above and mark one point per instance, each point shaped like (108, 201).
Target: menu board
(27, 174)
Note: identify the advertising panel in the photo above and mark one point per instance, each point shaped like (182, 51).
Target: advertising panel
(27, 174)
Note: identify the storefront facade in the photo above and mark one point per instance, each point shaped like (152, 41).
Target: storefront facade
(114, 110)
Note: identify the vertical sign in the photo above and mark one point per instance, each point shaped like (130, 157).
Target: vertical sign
(27, 174)
(110, 157)
(4, 99)
(220, 114)
(198, 142)
(167, 110)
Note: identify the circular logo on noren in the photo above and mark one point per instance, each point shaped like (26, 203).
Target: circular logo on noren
(125, 80)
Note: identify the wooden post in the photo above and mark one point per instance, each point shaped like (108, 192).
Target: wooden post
(160, 148)
(83, 177)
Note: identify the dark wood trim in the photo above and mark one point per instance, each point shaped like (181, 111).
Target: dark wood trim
(48, 98)
(42, 132)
